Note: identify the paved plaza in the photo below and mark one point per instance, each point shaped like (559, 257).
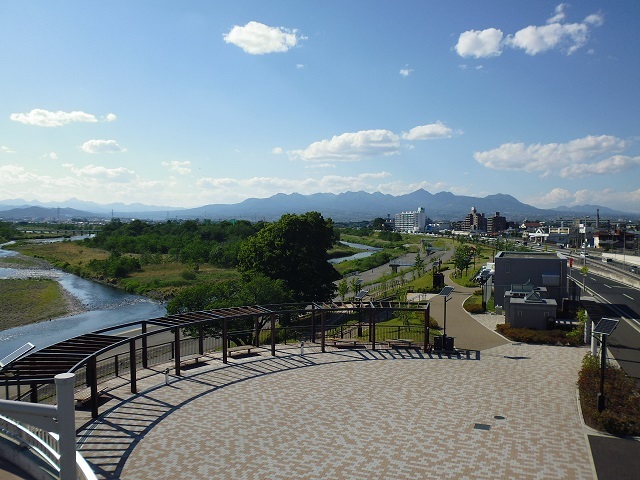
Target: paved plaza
(351, 414)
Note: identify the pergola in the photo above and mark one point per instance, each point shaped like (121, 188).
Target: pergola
(79, 352)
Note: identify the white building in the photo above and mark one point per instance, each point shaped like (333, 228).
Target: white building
(411, 222)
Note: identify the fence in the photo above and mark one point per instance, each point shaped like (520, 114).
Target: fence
(45, 434)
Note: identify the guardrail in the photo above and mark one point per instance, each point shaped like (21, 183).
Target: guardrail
(48, 432)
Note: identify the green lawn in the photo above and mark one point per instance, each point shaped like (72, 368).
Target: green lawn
(29, 301)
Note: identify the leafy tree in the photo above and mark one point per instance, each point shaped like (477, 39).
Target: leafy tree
(256, 290)
(355, 286)
(343, 288)
(419, 264)
(8, 232)
(378, 223)
(294, 249)
(462, 257)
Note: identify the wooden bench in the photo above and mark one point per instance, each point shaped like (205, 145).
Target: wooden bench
(344, 342)
(400, 343)
(240, 348)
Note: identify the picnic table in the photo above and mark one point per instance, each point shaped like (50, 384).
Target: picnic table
(399, 342)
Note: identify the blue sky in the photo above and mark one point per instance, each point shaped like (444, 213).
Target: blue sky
(191, 103)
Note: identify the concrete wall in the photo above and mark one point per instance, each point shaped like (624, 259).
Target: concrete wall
(536, 267)
(519, 313)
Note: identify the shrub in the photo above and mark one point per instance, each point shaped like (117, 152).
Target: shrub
(544, 337)
(621, 415)
(189, 275)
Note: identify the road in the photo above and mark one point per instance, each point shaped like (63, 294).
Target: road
(624, 301)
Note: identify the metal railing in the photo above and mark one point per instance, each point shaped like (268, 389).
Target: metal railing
(47, 432)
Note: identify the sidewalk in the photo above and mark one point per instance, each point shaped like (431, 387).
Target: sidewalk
(351, 415)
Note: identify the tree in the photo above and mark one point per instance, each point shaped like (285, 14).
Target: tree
(256, 290)
(584, 271)
(294, 249)
(462, 257)
(419, 264)
(343, 288)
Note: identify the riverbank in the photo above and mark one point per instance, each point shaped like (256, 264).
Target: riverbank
(32, 294)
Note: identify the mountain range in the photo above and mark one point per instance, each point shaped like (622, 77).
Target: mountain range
(342, 207)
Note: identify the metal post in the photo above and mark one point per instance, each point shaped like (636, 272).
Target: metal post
(201, 339)
(322, 332)
(256, 329)
(132, 365)
(33, 392)
(426, 328)
(594, 341)
(313, 323)
(273, 334)
(66, 425)
(225, 340)
(444, 335)
(145, 363)
(176, 359)
(92, 378)
(372, 330)
(603, 360)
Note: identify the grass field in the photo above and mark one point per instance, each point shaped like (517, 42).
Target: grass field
(31, 300)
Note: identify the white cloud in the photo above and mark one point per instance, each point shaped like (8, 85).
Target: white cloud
(559, 14)
(616, 199)
(50, 156)
(553, 157)
(98, 172)
(102, 146)
(405, 72)
(267, 186)
(299, 66)
(110, 117)
(277, 150)
(533, 39)
(320, 165)
(612, 165)
(257, 38)
(595, 19)
(428, 132)
(553, 198)
(351, 147)
(182, 168)
(480, 43)
(5, 149)
(45, 118)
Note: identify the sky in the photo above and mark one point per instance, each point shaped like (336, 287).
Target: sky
(190, 103)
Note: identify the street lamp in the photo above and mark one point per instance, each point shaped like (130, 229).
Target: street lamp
(584, 245)
(605, 327)
(445, 292)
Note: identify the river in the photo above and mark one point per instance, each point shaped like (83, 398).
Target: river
(105, 307)
(366, 252)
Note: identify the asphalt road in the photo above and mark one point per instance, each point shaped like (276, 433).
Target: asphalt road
(624, 301)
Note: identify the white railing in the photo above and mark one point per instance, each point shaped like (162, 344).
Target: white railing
(48, 431)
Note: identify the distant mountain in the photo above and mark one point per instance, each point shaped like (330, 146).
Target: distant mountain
(357, 206)
(590, 210)
(116, 208)
(41, 214)
(343, 207)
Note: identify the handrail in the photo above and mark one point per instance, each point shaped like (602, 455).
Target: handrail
(49, 431)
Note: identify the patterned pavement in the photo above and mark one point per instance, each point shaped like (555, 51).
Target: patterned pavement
(351, 414)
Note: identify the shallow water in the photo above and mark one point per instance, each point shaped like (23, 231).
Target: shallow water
(106, 307)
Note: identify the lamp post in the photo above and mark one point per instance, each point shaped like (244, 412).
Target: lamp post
(445, 292)
(584, 244)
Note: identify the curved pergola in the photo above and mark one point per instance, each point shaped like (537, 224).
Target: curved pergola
(82, 352)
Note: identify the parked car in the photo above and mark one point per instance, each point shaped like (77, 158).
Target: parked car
(633, 269)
